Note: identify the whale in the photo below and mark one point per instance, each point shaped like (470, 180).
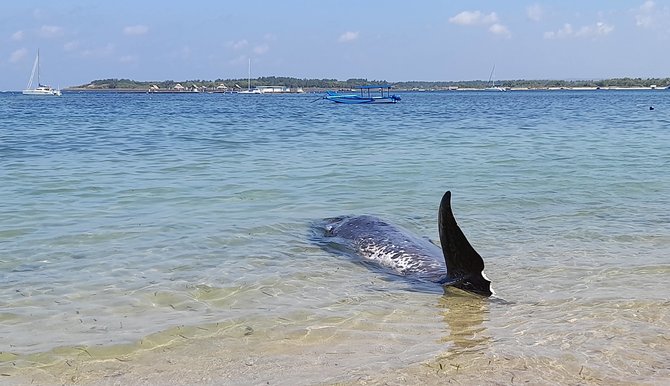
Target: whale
(392, 248)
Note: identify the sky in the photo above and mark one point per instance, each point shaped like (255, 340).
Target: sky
(391, 40)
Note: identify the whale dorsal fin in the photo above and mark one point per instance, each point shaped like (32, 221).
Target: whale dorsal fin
(464, 264)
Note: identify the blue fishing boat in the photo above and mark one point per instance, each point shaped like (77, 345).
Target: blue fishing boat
(380, 93)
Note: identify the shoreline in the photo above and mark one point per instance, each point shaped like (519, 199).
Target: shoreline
(311, 91)
(240, 357)
(237, 356)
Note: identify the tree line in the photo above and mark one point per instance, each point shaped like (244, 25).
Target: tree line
(231, 83)
(295, 83)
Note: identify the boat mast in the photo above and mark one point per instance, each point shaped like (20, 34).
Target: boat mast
(491, 77)
(249, 79)
(32, 74)
(38, 68)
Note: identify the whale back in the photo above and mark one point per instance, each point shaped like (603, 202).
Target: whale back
(388, 246)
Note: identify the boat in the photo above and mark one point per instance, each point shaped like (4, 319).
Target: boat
(40, 89)
(376, 93)
(249, 90)
(492, 83)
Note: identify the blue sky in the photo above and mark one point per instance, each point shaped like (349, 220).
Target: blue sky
(83, 40)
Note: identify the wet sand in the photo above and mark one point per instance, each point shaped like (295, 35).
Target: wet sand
(378, 348)
(217, 362)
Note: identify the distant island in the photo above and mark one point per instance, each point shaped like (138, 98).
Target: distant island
(311, 85)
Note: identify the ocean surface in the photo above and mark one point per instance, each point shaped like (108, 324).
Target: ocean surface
(132, 224)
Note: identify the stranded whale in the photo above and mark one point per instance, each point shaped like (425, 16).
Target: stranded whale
(457, 264)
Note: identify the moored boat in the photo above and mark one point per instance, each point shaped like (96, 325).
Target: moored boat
(365, 95)
(492, 83)
(40, 89)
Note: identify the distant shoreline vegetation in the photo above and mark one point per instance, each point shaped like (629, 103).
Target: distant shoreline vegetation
(334, 84)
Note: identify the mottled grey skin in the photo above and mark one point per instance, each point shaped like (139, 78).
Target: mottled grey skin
(456, 264)
(388, 246)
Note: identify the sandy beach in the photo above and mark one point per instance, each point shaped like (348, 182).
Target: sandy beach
(217, 362)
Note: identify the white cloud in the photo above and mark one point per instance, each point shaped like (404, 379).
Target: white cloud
(645, 18)
(648, 15)
(51, 31)
(474, 18)
(477, 18)
(135, 30)
(348, 36)
(563, 32)
(18, 36)
(601, 29)
(238, 44)
(500, 30)
(17, 55)
(648, 6)
(71, 46)
(534, 12)
(591, 31)
(261, 49)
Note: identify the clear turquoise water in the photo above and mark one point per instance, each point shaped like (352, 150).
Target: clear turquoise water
(126, 215)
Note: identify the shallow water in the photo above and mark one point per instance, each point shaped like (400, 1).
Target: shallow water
(135, 221)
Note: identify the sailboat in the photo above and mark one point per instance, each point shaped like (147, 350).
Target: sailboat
(249, 90)
(40, 89)
(492, 83)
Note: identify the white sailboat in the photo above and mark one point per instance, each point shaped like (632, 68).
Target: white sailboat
(492, 83)
(40, 89)
(249, 90)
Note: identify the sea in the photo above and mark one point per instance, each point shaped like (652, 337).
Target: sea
(147, 235)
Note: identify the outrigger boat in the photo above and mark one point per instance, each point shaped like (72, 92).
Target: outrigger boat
(366, 94)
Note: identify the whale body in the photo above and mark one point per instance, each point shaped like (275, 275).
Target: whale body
(374, 240)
